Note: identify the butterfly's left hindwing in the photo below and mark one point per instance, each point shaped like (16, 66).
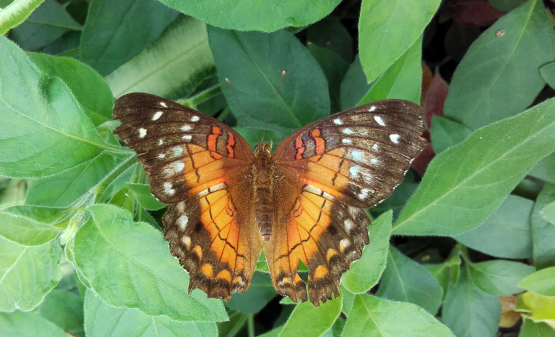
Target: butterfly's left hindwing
(199, 166)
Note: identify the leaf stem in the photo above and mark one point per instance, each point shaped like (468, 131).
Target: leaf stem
(202, 96)
(251, 325)
(108, 179)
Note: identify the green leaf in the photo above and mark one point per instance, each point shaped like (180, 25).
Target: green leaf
(23, 279)
(373, 316)
(62, 189)
(170, 67)
(510, 223)
(261, 58)
(401, 80)
(102, 319)
(465, 184)
(129, 265)
(441, 273)
(506, 5)
(542, 230)
(31, 226)
(44, 130)
(547, 73)
(262, 15)
(498, 277)
(47, 23)
(354, 85)
(532, 329)
(539, 308)
(65, 309)
(548, 213)
(257, 296)
(468, 311)
(331, 34)
(115, 32)
(364, 273)
(495, 66)
(387, 29)
(334, 68)
(397, 200)
(28, 324)
(407, 281)
(446, 133)
(87, 86)
(540, 282)
(142, 193)
(544, 169)
(15, 13)
(308, 320)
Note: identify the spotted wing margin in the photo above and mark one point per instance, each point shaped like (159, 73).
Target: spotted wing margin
(316, 228)
(183, 151)
(358, 155)
(214, 236)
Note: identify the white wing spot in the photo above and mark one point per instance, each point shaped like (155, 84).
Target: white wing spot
(177, 150)
(186, 241)
(348, 225)
(142, 132)
(338, 121)
(376, 147)
(160, 142)
(375, 161)
(178, 166)
(157, 115)
(344, 244)
(182, 221)
(163, 104)
(161, 156)
(379, 120)
(395, 138)
(168, 189)
(181, 207)
(364, 194)
(312, 189)
(357, 155)
(354, 171)
(195, 118)
(348, 131)
(187, 138)
(372, 108)
(186, 127)
(346, 141)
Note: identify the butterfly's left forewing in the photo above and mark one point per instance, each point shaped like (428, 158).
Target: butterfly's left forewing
(199, 166)
(326, 173)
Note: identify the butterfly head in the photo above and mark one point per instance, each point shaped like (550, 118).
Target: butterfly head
(262, 147)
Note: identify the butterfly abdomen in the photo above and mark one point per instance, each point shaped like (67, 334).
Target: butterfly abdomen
(263, 173)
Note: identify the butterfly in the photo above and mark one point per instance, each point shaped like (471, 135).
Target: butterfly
(303, 202)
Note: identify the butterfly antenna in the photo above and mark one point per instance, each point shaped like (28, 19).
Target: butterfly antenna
(273, 103)
(246, 115)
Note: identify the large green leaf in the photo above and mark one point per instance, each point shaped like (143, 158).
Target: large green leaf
(30, 226)
(102, 319)
(376, 317)
(44, 129)
(542, 230)
(14, 14)
(170, 67)
(499, 75)
(468, 311)
(262, 15)
(65, 309)
(27, 273)
(401, 80)
(253, 62)
(129, 265)
(499, 277)
(509, 223)
(387, 29)
(308, 320)
(364, 273)
(354, 85)
(532, 329)
(116, 31)
(87, 86)
(407, 281)
(47, 23)
(540, 282)
(465, 184)
(28, 324)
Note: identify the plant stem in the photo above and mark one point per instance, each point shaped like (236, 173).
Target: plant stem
(106, 181)
(199, 98)
(251, 325)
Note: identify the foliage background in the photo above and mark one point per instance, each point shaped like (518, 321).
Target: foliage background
(464, 246)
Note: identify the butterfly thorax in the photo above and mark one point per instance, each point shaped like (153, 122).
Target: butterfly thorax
(263, 173)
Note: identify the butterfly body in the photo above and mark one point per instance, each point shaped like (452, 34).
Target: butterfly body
(303, 202)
